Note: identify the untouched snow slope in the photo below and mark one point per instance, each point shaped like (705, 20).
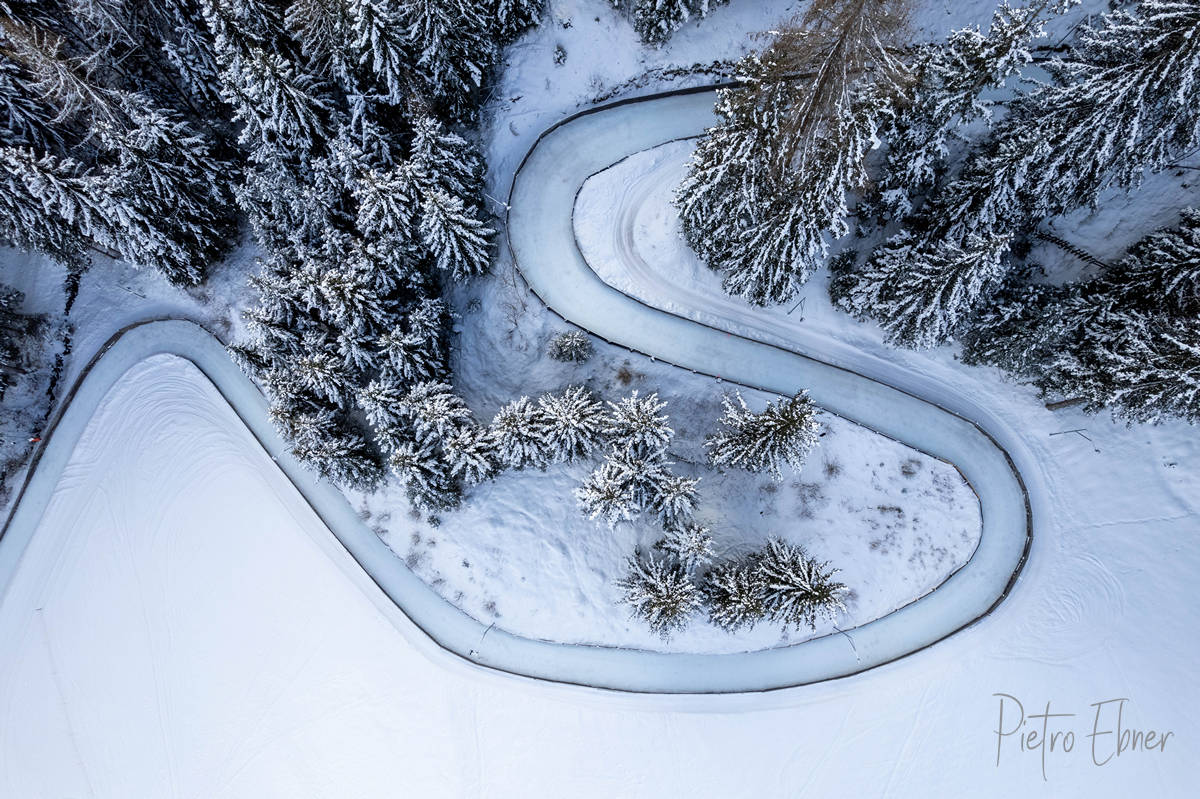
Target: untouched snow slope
(182, 624)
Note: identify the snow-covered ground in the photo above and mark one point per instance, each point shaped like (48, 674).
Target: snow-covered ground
(183, 625)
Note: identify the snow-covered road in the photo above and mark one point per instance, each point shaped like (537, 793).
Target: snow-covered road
(926, 416)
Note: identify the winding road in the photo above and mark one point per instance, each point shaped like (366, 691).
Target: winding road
(542, 241)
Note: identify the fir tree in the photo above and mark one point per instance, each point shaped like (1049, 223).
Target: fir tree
(435, 411)
(469, 452)
(573, 423)
(660, 593)
(573, 346)
(460, 243)
(424, 475)
(690, 543)
(674, 500)
(656, 20)
(783, 434)
(735, 594)
(635, 426)
(606, 494)
(519, 435)
(797, 589)
(767, 186)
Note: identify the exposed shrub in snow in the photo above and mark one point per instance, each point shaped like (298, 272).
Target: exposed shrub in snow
(660, 593)
(574, 346)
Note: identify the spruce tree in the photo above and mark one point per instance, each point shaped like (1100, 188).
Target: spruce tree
(605, 494)
(519, 435)
(688, 542)
(783, 434)
(660, 593)
(573, 422)
(798, 590)
(735, 594)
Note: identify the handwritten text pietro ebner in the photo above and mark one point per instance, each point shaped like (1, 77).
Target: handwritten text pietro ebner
(1049, 734)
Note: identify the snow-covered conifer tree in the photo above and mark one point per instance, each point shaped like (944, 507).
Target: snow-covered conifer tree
(689, 542)
(656, 20)
(798, 590)
(435, 411)
(510, 18)
(573, 423)
(605, 494)
(674, 500)
(459, 242)
(735, 594)
(661, 593)
(783, 434)
(424, 475)
(519, 435)
(636, 426)
(767, 186)
(573, 346)
(470, 453)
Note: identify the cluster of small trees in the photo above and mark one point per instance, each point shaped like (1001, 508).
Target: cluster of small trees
(664, 590)
(781, 583)
(768, 188)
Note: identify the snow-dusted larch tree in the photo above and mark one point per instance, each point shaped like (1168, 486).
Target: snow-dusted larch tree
(767, 187)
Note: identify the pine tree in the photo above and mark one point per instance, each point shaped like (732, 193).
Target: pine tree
(656, 20)
(783, 434)
(689, 542)
(573, 423)
(460, 243)
(660, 593)
(519, 435)
(735, 594)
(469, 452)
(635, 426)
(573, 346)
(797, 589)
(606, 494)
(674, 500)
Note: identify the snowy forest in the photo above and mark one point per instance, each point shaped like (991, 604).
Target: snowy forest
(945, 161)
